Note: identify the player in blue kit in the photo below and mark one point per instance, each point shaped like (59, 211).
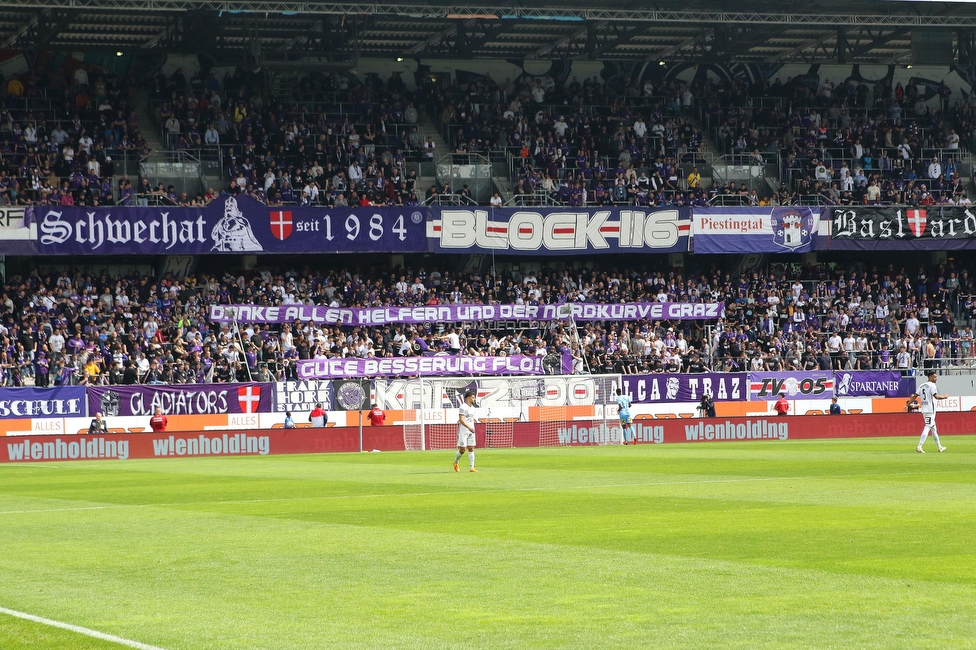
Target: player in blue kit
(626, 423)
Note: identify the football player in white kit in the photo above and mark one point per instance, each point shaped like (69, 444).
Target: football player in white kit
(466, 438)
(929, 395)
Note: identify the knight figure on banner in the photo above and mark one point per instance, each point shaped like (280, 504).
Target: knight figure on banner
(233, 232)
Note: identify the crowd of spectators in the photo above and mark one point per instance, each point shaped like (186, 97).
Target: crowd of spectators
(336, 139)
(592, 143)
(84, 327)
(342, 142)
(585, 143)
(848, 142)
(333, 143)
(59, 134)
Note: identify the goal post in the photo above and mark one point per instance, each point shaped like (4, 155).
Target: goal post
(552, 423)
(413, 436)
(590, 404)
(559, 405)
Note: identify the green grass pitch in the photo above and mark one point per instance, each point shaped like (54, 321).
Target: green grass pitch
(854, 543)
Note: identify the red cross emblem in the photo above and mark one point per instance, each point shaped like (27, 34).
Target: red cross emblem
(281, 224)
(916, 221)
(249, 397)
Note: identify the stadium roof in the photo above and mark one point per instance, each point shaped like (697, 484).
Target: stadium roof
(870, 32)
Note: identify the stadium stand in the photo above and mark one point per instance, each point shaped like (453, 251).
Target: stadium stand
(588, 143)
(78, 327)
(332, 142)
(847, 143)
(62, 139)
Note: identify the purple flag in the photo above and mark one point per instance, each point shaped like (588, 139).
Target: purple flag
(227, 225)
(723, 387)
(559, 231)
(868, 383)
(27, 402)
(241, 224)
(796, 385)
(784, 229)
(373, 317)
(435, 366)
(188, 399)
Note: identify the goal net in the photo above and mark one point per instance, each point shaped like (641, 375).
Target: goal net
(567, 409)
(491, 434)
(499, 434)
(552, 423)
(441, 436)
(565, 405)
(425, 403)
(413, 436)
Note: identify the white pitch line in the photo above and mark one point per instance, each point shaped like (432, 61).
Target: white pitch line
(387, 495)
(110, 507)
(384, 495)
(80, 630)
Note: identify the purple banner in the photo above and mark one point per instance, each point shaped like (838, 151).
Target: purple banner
(875, 227)
(67, 401)
(436, 366)
(756, 230)
(723, 387)
(869, 383)
(796, 385)
(16, 235)
(559, 231)
(227, 225)
(466, 313)
(189, 399)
